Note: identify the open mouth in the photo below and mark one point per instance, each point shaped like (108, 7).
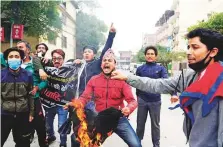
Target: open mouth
(106, 68)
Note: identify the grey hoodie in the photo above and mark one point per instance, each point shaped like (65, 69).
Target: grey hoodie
(206, 131)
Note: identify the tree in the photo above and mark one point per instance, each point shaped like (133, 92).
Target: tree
(89, 31)
(38, 17)
(215, 22)
(164, 57)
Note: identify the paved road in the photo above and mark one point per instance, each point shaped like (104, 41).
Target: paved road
(171, 130)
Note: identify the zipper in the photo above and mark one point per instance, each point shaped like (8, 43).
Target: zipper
(107, 95)
(85, 78)
(14, 95)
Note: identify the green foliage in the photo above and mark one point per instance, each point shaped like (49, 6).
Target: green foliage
(165, 57)
(89, 31)
(215, 22)
(38, 17)
(90, 4)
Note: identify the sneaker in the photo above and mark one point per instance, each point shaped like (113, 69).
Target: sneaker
(51, 140)
(31, 137)
(63, 145)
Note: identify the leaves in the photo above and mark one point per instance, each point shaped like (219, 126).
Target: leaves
(164, 56)
(38, 17)
(89, 30)
(215, 22)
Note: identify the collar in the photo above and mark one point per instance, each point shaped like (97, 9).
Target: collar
(25, 64)
(150, 63)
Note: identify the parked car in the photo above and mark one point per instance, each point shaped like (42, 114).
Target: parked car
(133, 67)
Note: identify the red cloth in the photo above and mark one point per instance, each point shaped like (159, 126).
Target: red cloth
(205, 83)
(108, 93)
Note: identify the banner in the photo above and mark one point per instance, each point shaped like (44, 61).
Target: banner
(62, 85)
(17, 31)
(2, 34)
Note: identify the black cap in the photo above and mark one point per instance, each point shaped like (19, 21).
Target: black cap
(91, 48)
(6, 52)
(43, 45)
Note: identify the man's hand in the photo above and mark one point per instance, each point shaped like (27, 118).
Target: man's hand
(42, 74)
(77, 61)
(30, 118)
(126, 111)
(112, 28)
(174, 99)
(75, 103)
(118, 75)
(35, 89)
(45, 60)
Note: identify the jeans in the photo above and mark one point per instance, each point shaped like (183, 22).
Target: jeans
(124, 130)
(62, 117)
(154, 111)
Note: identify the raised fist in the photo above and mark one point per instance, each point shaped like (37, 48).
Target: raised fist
(112, 28)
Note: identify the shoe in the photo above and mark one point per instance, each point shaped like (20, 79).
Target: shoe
(31, 137)
(63, 145)
(51, 139)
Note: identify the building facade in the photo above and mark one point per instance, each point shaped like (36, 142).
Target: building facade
(66, 38)
(148, 39)
(172, 31)
(124, 59)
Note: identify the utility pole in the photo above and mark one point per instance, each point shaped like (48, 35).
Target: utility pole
(14, 18)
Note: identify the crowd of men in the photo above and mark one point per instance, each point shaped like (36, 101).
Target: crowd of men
(24, 77)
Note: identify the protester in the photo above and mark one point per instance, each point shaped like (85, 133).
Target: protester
(38, 123)
(58, 56)
(111, 93)
(201, 89)
(150, 102)
(17, 104)
(93, 66)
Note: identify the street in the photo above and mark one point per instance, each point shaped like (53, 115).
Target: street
(171, 129)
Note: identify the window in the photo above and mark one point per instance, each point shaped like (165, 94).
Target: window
(64, 41)
(64, 4)
(54, 41)
(64, 19)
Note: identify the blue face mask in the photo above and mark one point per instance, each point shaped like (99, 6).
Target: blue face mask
(14, 64)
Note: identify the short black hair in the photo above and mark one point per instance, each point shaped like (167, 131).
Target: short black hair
(26, 43)
(6, 52)
(151, 48)
(43, 45)
(90, 47)
(212, 39)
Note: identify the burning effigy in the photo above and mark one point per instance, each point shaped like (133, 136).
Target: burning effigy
(90, 127)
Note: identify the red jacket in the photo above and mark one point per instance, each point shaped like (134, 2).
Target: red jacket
(108, 93)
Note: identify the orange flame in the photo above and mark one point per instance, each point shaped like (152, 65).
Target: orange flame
(83, 136)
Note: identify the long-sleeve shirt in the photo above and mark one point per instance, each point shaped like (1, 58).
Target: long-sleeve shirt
(107, 93)
(29, 66)
(15, 88)
(206, 131)
(151, 70)
(93, 67)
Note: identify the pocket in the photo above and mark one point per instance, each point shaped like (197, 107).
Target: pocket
(21, 89)
(141, 102)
